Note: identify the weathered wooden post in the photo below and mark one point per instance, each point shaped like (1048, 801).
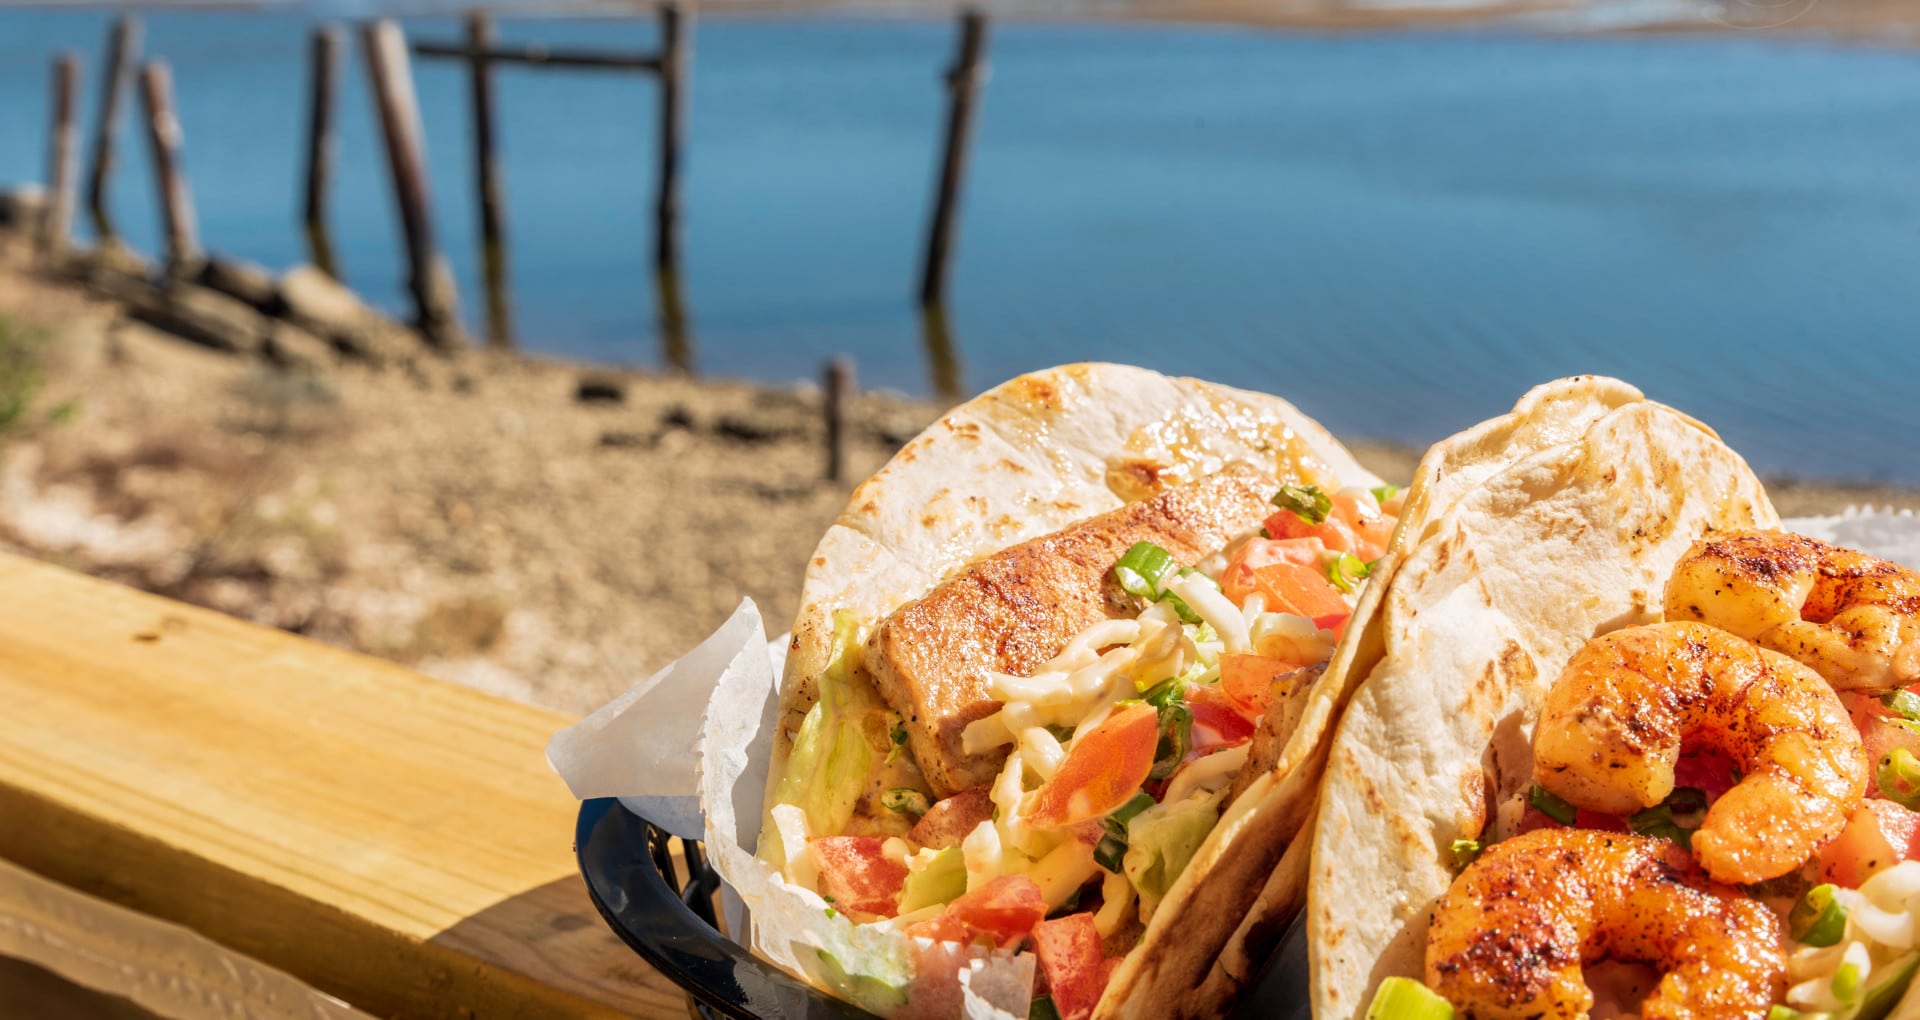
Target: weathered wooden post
(435, 300)
(839, 397)
(673, 68)
(676, 339)
(493, 243)
(324, 68)
(123, 40)
(937, 333)
(176, 204)
(58, 225)
(963, 86)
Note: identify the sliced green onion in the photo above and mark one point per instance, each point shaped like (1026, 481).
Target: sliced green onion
(1401, 998)
(1043, 1009)
(1846, 983)
(832, 913)
(1674, 818)
(1176, 724)
(1818, 919)
(1465, 852)
(1688, 805)
(1125, 813)
(1384, 493)
(1880, 1000)
(1784, 1013)
(897, 733)
(1109, 852)
(1171, 691)
(1141, 568)
(1657, 821)
(1899, 778)
(1551, 806)
(1306, 501)
(904, 800)
(1186, 613)
(1905, 703)
(1347, 571)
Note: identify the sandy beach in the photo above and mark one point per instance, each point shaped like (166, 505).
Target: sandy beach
(471, 515)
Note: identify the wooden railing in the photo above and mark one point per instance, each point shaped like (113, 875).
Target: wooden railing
(199, 810)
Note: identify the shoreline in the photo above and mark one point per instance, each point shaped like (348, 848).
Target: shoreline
(540, 528)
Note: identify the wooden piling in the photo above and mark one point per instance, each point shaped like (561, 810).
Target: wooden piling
(176, 203)
(963, 86)
(840, 383)
(431, 282)
(324, 76)
(676, 338)
(121, 44)
(943, 364)
(64, 139)
(493, 243)
(674, 57)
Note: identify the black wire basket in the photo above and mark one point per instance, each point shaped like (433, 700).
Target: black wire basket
(666, 913)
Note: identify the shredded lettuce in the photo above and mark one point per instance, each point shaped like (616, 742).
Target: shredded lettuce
(1162, 840)
(942, 881)
(876, 983)
(831, 759)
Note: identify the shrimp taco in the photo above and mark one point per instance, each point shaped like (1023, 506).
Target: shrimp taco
(1033, 662)
(1628, 749)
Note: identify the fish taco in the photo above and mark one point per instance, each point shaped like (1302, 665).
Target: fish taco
(1037, 662)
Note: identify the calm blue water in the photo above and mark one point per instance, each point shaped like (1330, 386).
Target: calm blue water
(1399, 232)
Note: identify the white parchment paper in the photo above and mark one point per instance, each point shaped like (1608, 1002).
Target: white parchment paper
(689, 748)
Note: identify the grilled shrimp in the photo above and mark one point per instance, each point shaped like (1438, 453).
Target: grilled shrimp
(1855, 619)
(1628, 702)
(1513, 931)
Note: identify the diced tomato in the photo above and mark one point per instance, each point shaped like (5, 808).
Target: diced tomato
(1238, 580)
(859, 879)
(1584, 819)
(1003, 911)
(1292, 588)
(1881, 730)
(1255, 553)
(1102, 770)
(1218, 721)
(1333, 532)
(948, 821)
(1534, 818)
(1069, 951)
(1250, 679)
(1372, 529)
(1705, 771)
(1879, 835)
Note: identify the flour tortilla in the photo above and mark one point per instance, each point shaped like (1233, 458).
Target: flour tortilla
(1282, 799)
(1499, 590)
(1028, 458)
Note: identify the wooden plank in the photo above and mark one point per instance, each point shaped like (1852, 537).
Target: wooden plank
(131, 965)
(390, 839)
(540, 56)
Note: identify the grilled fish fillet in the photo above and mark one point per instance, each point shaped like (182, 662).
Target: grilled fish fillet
(1014, 610)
